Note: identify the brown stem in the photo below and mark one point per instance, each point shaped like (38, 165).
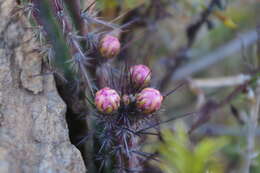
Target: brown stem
(210, 106)
(127, 159)
(133, 161)
(191, 32)
(75, 9)
(66, 27)
(178, 60)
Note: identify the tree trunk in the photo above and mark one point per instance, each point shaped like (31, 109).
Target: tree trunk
(33, 130)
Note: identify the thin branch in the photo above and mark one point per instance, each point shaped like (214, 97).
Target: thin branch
(250, 153)
(75, 8)
(175, 89)
(194, 28)
(166, 121)
(219, 54)
(211, 106)
(221, 81)
(182, 54)
(222, 130)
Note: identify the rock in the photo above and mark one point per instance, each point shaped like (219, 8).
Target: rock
(33, 131)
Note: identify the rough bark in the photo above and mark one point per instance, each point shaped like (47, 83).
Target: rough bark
(33, 131)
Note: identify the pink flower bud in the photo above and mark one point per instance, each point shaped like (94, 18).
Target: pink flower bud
(149, 100)
(107, 100)
(109, 46)
(126, 100)
(140, 75)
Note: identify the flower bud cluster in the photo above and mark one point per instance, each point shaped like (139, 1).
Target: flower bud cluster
(147, 101)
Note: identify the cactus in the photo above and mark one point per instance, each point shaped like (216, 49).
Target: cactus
(124, 109)
(122, 132)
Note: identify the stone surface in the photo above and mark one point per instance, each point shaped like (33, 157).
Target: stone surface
(33, 131)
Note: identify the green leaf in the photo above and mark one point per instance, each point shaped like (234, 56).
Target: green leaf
(179, 155)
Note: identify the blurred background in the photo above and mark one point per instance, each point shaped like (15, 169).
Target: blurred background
(212, 45)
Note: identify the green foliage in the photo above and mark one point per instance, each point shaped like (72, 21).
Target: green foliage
(256, 165)
(181, 156)
(55, 36)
